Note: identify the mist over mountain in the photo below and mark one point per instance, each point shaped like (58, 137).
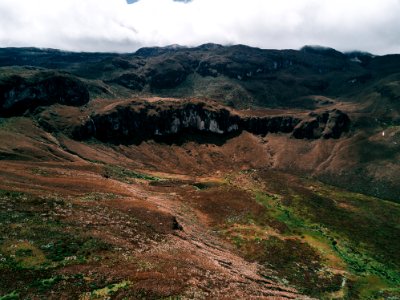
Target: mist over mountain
(117, 26)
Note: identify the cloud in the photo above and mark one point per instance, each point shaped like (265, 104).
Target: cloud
(134, 1)
(114, 25)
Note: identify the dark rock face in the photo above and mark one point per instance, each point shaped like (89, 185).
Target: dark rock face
(330, 124)
(18, 94)
(141, 122)
(337, 123)
(167, 74)
(135, 122)
(176, 225)
(130, 81)
(264, 125)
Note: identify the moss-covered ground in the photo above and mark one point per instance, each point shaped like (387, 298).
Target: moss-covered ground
(329, 243)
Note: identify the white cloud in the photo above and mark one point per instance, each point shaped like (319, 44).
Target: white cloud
(113, 25)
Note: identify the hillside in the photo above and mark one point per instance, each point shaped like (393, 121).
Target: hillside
(199, 173)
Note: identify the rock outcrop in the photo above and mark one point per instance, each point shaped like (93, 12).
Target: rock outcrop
(270, 124)
(18, 93)
(329, 124)
(134, 121)
(137, 121)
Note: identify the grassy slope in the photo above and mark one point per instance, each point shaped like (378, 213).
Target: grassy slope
(328, 242)
(43, 255)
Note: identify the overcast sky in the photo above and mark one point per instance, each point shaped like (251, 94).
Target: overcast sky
(115, 25)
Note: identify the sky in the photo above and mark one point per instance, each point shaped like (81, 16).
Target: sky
(117, 26)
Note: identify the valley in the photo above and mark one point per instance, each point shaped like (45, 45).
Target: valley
(199, 173)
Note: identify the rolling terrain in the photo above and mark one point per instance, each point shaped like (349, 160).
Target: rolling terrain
(199, 173)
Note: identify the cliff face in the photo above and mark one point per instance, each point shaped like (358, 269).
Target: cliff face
(138, 121)
(20, 93)
(329, 124)
(135, 121)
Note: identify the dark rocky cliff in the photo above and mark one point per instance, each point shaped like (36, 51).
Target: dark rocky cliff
(21, 93)
(137, 121)
(329, 124)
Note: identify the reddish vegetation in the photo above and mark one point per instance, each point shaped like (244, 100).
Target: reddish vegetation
(163, 216)
(140, 219)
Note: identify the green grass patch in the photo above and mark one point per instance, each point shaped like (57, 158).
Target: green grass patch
(11, 296)
(35, 243)
(43, 285)
(359, 261)
(67, 248)
(106, 292)
(40, 172)
(99, 197)
(11, 194)
(126, 175)
(280, 212)
(33, 237)
(328, 229)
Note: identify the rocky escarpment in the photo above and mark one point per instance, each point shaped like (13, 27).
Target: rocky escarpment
(137, 121)
(134, 121)
(20, 93)
(329, 124)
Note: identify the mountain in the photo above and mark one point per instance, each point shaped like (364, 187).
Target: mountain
(206, 172)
